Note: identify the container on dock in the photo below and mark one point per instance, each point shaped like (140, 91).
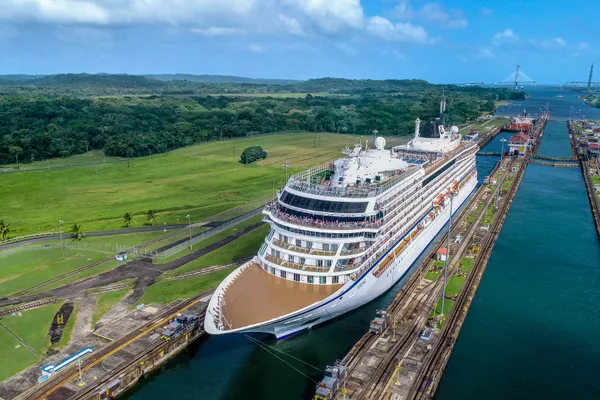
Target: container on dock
(381, 322)
(333, 380)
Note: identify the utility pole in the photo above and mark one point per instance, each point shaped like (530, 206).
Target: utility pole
(501, 168)
(447, 256)
(190, 227)
(286, 165)
(60, 224)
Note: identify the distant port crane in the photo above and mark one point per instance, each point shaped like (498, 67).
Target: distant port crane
(589, 81)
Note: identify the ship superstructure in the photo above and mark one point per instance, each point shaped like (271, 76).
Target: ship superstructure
(343, 233)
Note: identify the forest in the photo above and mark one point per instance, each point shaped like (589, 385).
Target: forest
(62, 115)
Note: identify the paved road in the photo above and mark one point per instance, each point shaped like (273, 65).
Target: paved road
(123, 231)
(140, 268)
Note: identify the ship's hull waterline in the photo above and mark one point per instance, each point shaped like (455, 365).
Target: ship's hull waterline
(354, 293)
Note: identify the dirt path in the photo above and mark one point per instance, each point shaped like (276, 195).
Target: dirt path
(142, 268)
(83, 321)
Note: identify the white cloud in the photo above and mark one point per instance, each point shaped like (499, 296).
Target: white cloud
(485, 53)
(218, 31)
(292, 24)
(506, 36)
(399, 32)
(257, 48)
(331, 16)
(432, 12)
(554, 44)
(389, 51)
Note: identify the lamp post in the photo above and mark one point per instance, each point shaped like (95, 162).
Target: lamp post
(286, 165)
(190, 226)
(60, 224)
(447, 256)
(501, 169)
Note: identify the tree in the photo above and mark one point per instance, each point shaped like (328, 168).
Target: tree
(16, 150)
(77, 233)
(252, 153)
(4, 230)
(127, 220)
(150, 216)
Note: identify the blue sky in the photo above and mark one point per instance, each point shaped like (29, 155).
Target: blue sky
(455, 41)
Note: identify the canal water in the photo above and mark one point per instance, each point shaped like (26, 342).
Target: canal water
(553, 226)
(532, 331)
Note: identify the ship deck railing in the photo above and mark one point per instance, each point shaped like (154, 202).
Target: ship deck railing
(301, 249)
(302, 182)
(273, 210)
(293, 265)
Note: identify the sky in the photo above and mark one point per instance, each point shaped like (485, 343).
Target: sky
(452, 41)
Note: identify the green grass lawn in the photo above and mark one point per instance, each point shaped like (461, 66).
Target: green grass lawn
(596, 180)
(25, 269)
(488, 218)
(432, 276)
(167, 291)
(213, 239)
(91, 157)
(466, 264)
(439, 264)
(473, 215)
(15, 356)
(448, 304)
(199, 180)
(454, 284)
(106, 301)
(242, 247)
(32, 326)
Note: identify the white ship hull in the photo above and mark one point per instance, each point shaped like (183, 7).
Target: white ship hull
(361, 291)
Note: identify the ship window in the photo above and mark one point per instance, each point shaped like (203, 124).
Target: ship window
(322, 280)
(439, 172)
(323, 205)
(298, 242)
(335, 279)
(311, 279)
(290, 258)
(327, 263)
(296, 277)
(302, 260)
(309, 245)
(272, 270)
(282, 273)
(319, 263)
(325, 247)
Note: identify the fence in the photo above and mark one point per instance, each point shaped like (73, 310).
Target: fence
(105, 248)
(197, 238)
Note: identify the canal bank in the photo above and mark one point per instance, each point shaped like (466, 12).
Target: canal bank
(531, 331)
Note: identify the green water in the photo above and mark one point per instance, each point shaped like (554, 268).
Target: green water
(531, 334)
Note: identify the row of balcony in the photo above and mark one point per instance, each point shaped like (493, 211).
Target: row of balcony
(272, 209)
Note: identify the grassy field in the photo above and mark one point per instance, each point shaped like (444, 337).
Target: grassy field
(25, 269)
(32, 326)
(15, 356)
(454, 285)
(199, 180)
(245, 246)
(432, 276)
(213, 239)
(466, 264)
(168, 291)
(106, 301)
(91, 157)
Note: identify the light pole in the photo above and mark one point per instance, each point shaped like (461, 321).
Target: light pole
(190, 226)
(447, 256)
(60, 224)
(500, 176)
(286, 165)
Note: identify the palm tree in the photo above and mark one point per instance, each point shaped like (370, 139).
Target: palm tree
(127, 220)
(150, 216)
(77, 233)
(4, 230)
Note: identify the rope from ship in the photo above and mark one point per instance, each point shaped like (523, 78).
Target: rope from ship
(345, 326)
(262, 346)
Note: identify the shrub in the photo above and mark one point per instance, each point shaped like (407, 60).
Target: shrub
(252, 153)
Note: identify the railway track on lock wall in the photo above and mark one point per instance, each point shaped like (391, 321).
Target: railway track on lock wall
(425, 378)
(416, 307)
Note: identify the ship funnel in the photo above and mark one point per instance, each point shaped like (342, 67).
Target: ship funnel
(417, 127)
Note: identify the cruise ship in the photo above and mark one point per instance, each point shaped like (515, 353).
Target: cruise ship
(343, 233)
